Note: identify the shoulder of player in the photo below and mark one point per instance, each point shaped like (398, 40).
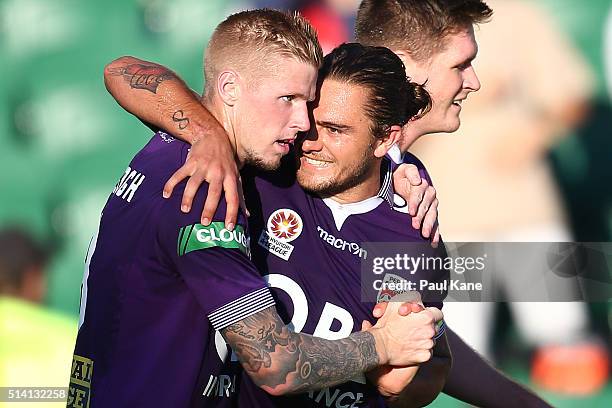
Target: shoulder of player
(172, 206)
(410, 158)
(161, 156)
(395, 225)
(174, 155)
(149, 170)
(173, 149)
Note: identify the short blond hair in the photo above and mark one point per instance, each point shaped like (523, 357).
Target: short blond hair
(247, 39)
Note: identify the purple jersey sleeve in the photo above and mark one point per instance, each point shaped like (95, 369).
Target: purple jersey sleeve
(410, 158)
(214, 262)
(395, 159)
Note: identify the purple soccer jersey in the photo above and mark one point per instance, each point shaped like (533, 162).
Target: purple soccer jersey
(157, 288)
(309, 250)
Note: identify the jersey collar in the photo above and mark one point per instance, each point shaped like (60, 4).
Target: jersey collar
(389, 164)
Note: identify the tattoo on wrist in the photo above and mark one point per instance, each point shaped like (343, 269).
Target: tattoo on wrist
(299, 362)
(181, 120)
(141, 76)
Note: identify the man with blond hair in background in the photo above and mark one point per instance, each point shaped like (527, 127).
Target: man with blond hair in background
(538, 88)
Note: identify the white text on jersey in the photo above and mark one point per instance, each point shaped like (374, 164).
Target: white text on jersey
(220, 386)
(335, 399)
(129, 183)
(341, 244)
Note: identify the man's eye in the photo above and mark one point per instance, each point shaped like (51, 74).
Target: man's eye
(288, 98)
(333, 130)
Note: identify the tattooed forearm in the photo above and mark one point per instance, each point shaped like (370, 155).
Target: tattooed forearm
(281, 361)
(180, 119)
(141, 76)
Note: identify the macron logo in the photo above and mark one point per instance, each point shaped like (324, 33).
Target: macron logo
(341, 244)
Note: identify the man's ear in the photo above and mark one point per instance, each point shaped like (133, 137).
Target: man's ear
(414, 69)
(384, 144)
(228, 87)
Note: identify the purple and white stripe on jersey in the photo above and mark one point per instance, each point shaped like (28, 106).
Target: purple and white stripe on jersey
(241, 308)
(386, 186)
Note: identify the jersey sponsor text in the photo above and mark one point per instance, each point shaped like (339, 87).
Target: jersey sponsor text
(341, 244)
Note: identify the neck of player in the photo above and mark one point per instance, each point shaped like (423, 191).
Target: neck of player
(223, 115)
(410, 133)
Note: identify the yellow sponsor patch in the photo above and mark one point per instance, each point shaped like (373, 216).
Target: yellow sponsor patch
(80, 382)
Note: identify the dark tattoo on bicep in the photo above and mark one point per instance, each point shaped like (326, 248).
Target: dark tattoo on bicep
(181, 120)
(295, 361)
(141, 76)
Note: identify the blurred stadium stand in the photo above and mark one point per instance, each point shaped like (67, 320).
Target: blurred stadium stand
(64, 139)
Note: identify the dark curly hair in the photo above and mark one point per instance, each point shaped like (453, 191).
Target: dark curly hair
(393, 98)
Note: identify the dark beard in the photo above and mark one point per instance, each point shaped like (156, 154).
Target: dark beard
(333, 187)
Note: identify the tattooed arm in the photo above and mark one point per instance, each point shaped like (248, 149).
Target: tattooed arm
(282, 362)
(157, 96)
